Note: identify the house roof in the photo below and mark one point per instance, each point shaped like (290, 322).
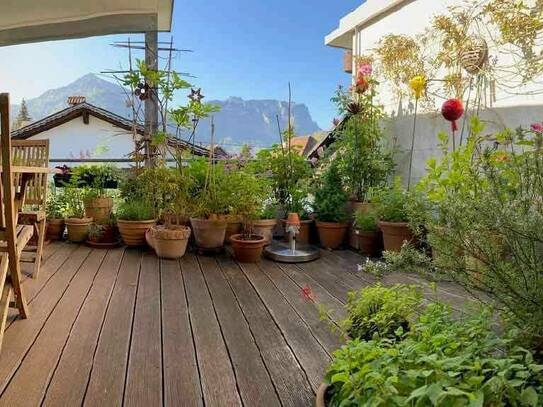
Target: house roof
(328, 140)
(367, 14)
(70, 113)
(86, 109)
(24, 21)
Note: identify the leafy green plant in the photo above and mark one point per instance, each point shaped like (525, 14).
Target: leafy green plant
(56, 204)
(366, 221)
(73, 197)
(382, 312)
(441, 361)
(391, 203)
(330, 198)
(135, 211)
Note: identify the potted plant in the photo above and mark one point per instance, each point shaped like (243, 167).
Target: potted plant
(330, 208)
(55, 211)
(266, 222)
(367, 232)
(96, 179)
(169, 241)
(134, 219)
(76, 221)
(104, 234)
(392, 209)
(249, 193)
(233, 226)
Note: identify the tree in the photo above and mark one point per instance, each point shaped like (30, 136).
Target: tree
(23, 117)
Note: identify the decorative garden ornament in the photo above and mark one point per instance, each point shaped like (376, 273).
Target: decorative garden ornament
(196, 95)
(475, 55)
(452, 110)
(418, 85)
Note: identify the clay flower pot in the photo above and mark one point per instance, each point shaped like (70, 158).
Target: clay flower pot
(367, 243)
(247, 250)
(354, 207)
(305, 230)
(133, 231)
(332, 234)
(78, 229)
(233, 227)
(320, 400)
(55, 229)
(265, 227)
(169, 242)
(209, 233)
(395, 234)
(99, 208)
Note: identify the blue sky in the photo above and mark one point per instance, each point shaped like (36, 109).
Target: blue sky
(246, 48)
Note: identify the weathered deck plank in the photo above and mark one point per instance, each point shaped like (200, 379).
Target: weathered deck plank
(28, 385)
(288, 377)
(107, 379)
(69, 382)
(216, 372)
(255, 385)
(144, 375)
(181, 378)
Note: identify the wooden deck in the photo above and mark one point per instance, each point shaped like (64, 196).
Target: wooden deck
(120, 327)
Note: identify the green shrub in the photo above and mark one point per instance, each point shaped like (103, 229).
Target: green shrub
(440, 362)
(391, 203)
(330, 198)
(366, 221)
(381, 312)
(56, 203)
(135, 211)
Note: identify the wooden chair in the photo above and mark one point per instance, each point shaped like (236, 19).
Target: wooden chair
(13, 237)
(33, 153)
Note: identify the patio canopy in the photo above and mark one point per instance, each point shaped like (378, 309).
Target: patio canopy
(23, 21)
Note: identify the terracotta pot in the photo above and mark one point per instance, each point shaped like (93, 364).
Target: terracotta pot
(395, 234)
(109, 234)
(169, 243)
(99, 208)
(209, 233)
(332, 234)
(78, 229)
(55, 229)
(265, 227)
(133, 231)
(367, 243)
(354, 207)
(247, 251)
(233, 227)
(305, 230)
(320, 400)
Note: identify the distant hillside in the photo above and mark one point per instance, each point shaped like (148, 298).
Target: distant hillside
(239, 121)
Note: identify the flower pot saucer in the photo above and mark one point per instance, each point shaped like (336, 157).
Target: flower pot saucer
(281, 252)
(96, 245)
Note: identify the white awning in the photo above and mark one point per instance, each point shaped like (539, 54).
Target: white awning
(23, 21)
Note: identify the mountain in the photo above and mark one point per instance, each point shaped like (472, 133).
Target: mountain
(239, 121)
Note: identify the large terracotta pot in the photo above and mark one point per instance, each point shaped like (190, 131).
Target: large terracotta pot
(233, 227)
(99, 208)
(247, 251)
(169, 243)
(395, 234)
(305, 230)
(78, 229)
(209, 233)
(332, 234)
(367, 243)
(55, 229)
(265, 227)
(133, 231)
(356, 206)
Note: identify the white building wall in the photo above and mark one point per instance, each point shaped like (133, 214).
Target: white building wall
(98, 139)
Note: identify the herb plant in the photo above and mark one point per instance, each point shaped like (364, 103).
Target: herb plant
(135, 211)
(330, 198)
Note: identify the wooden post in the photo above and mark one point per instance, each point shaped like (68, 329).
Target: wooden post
(151, 103)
